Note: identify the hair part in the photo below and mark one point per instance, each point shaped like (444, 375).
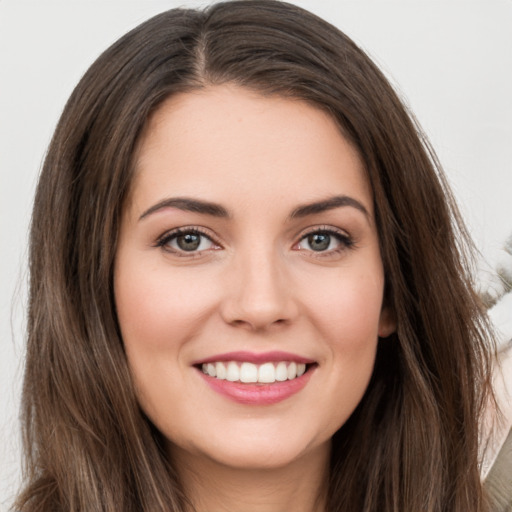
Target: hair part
(412, 443)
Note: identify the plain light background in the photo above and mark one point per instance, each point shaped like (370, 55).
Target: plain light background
(451, 61)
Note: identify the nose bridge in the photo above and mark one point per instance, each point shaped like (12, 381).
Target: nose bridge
(260, 291)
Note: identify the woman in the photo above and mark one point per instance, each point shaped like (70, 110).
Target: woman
(249, 287)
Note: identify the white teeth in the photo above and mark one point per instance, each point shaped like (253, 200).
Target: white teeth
(281, 372)
(220, 370)
(248, 372)
(211, 370)
(233, 372)
(266, 373)
(292, 371)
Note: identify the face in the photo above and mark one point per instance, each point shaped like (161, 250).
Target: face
(248, 278)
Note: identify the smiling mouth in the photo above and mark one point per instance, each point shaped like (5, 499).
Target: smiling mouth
(256, 379)
(250, 373)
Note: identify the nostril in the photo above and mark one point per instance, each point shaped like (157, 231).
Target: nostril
(258, 326)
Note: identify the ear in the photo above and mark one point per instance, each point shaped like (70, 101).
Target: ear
(387, 322)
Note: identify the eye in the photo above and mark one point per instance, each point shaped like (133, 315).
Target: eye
(190, 240)
(325, 240)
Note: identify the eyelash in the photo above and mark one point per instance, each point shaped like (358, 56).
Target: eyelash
(169, 236)
(346, 242)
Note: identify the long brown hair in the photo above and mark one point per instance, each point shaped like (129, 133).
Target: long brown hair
(411, 445)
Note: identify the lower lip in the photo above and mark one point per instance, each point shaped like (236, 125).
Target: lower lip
(258, 394)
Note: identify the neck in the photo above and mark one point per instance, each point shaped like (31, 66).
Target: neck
(300, 486)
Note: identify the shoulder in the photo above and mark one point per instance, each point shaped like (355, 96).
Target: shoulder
(499, 479)
(498, 473)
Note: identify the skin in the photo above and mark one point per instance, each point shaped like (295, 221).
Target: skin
(254, 284)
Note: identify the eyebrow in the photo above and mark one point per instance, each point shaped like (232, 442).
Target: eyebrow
(188, 205)
(216, 210)
(328, 204)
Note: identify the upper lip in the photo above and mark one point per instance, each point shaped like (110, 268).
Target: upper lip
(256, 358)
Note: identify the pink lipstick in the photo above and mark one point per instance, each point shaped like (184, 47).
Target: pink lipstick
(256, 378)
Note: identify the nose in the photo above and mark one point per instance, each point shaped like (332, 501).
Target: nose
(259, 293)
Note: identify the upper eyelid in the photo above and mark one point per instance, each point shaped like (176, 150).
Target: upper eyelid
(186, 229)
(323, 228)
(346, 240)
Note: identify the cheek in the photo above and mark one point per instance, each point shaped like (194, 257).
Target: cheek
(159, 312)
(348, 309)
(347, 316)
(156, 306)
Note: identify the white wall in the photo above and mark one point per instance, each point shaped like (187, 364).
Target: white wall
(452, 60)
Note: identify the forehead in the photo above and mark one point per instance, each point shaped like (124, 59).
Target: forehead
(233, 143)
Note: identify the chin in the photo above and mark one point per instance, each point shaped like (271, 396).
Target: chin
(255, 451)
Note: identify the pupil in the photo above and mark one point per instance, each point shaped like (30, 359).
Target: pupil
(188, 242)
(319, 241)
